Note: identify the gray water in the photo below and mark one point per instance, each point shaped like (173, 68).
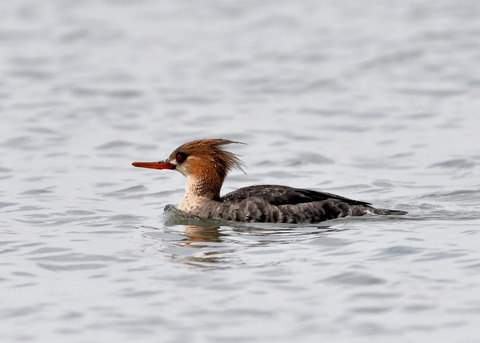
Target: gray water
(373, 100)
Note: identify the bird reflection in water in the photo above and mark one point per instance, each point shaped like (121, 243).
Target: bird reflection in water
(202, 234)
(209, 243)
(197, 234)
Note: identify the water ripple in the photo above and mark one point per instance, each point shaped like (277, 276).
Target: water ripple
(382, 107)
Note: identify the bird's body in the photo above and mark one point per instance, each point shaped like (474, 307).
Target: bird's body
(205, 164)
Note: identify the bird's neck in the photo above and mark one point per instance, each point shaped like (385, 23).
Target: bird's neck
(204, 186)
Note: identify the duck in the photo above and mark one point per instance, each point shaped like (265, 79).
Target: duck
(205, 163)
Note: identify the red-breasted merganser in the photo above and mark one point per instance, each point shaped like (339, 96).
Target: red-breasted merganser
(205, 164)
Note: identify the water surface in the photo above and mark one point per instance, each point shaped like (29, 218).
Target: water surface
(376, 101)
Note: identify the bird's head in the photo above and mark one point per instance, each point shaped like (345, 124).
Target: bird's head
(204, 162)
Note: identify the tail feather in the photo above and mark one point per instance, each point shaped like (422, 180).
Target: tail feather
(384, 211)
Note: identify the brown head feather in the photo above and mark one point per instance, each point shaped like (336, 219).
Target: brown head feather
(211, 150)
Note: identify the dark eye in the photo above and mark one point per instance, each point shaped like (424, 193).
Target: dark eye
(181, 156)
